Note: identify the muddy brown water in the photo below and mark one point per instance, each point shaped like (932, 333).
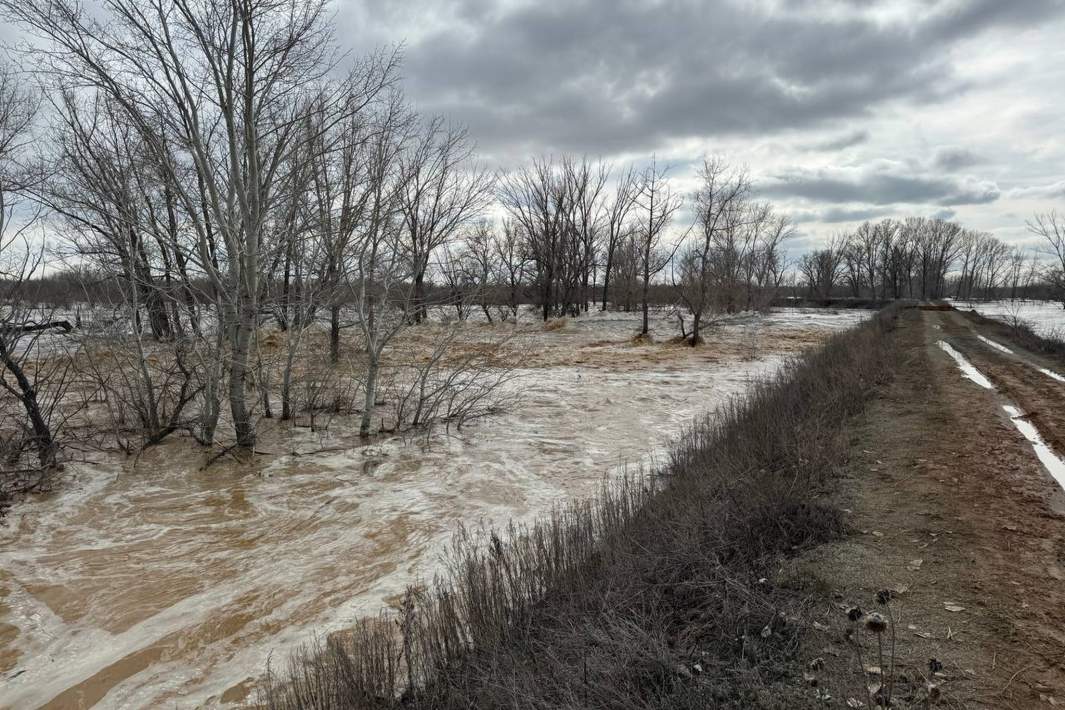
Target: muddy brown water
(161, 584)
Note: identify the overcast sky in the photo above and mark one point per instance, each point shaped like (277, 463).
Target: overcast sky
(843, 110)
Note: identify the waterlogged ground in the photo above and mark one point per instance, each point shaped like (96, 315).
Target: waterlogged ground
(161, 583)
(1046, 318)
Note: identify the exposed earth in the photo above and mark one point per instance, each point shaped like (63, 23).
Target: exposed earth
(953, 513)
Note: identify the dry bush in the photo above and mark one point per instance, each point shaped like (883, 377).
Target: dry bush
(555, 324)
(652, 594)
(450, 385)
(326, 392)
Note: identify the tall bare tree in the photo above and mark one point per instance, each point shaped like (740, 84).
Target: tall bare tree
(443, 192)
(655, 206)
(719, 204)
(616, 216)
(381, 282)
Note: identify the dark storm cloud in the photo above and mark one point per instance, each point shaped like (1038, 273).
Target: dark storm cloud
(953, 158)
(613, 76)
(880, 183)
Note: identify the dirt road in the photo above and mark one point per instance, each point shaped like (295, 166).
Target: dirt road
(950, 508)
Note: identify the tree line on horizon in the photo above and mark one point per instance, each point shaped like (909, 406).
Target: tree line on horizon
(924, 258)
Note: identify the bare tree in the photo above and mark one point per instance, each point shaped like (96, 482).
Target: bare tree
(616, 217)
(454, 268)
(215, 90)
(442, 193)
(586, 182)
(510, 260)
(22, 326)
(480, 264)
(535, 198)
(655, 205)
(1051, 227)
(381, 282)
(938, 244)
(626, 271)
(821, 267)
(720, 204)
(340, 183)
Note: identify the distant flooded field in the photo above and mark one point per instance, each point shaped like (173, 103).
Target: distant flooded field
(1045, 317)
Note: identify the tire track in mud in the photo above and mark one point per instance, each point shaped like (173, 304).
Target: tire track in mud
(950, 508)
(1017, 375)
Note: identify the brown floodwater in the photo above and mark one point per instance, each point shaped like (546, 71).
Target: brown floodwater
(157, 582)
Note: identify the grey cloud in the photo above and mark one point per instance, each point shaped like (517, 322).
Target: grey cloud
(880, 183)
(1055, 190)
(835, 215)
(954, 158)
(958, 18)
(629, 75)
(841, 142)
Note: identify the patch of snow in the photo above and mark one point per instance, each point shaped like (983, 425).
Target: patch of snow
(1051, 374)
(966, 367)
(1047, 318)
(997, 346)
(1053, 463)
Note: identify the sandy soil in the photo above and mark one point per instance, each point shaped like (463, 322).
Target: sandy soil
(951, 509)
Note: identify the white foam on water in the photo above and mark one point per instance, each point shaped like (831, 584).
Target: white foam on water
(1053, 463)
(966, 367)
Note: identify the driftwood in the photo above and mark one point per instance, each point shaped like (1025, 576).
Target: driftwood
(63, 325)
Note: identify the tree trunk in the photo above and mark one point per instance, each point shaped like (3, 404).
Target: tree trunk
(371, 395)
(646, 289)
(334, 334)
(286, 384)
(238, 373)
(606, 272)
(42, 435)
(419, 296)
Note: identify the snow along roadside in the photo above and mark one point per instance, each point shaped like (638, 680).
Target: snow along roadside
(1050, 460)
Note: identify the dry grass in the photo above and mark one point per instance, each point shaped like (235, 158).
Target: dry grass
(651, 595)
